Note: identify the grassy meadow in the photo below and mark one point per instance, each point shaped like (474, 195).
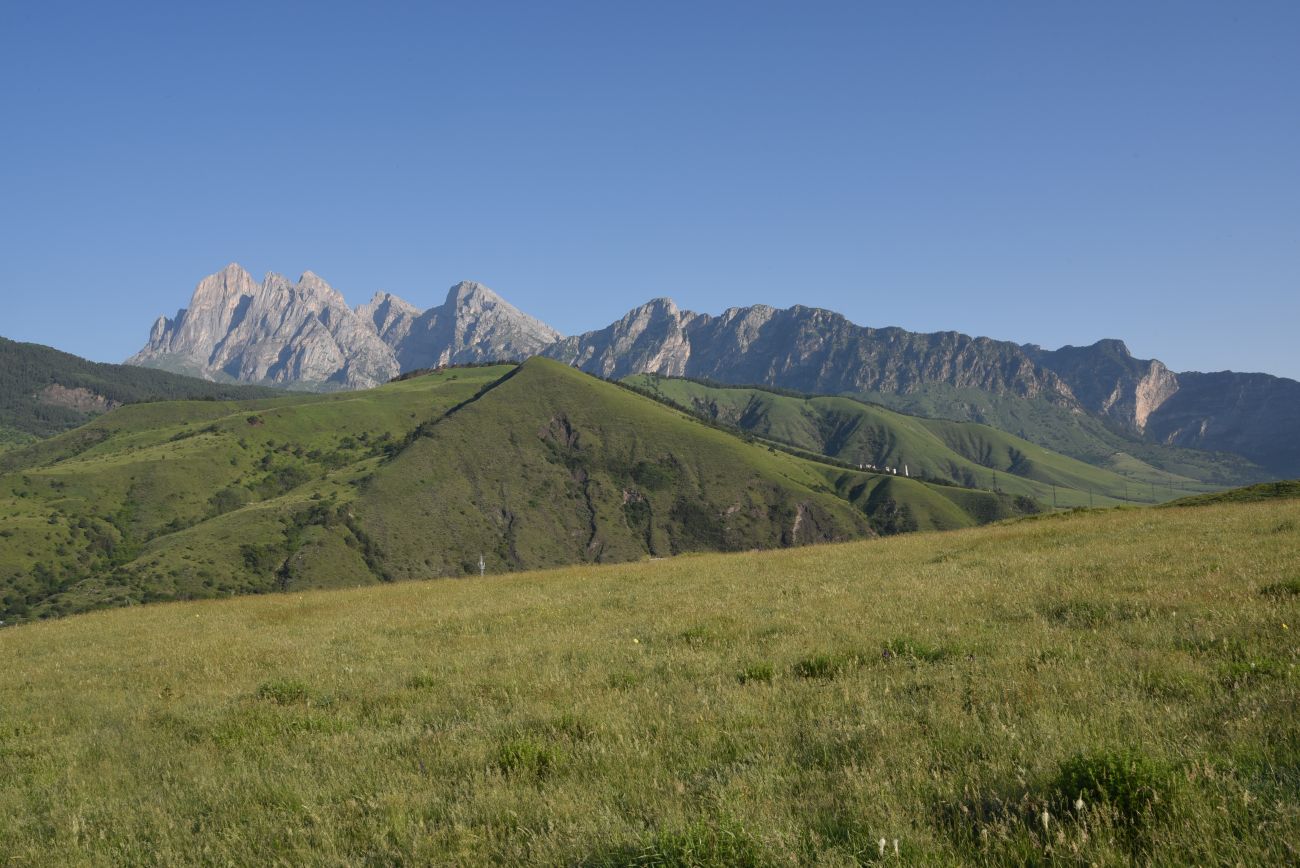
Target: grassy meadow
(1104, 687)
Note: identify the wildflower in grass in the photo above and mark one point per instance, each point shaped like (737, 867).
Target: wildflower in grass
(882, 848)
(1047, 818)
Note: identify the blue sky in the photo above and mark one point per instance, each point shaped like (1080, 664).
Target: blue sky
(1049, 172)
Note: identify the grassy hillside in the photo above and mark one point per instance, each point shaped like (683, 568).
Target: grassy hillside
(193, 499)
(29, 407)
(1079, 436)
(1095, 688)
(1264, 491)
(968, 453)
(553, 466)
(525, 467)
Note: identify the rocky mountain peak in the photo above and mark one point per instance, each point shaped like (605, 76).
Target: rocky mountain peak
(1113, 346)
(661, 304)
(1110, 382)
(474, 324)
(381, 299)
(233, 272)
(390, 316)
(220, 288)
(275, 332)
(273, 281)
(656, 310)
(469, 291)
(311, 283)
(305, 334)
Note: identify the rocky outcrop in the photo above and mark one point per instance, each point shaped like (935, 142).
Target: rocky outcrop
(1255, 415)
(1110, 382)
(304, 334)
(77, 398)
(803, 348)
(277, 332)
(651, 338)
(391, 317)
(474, 324)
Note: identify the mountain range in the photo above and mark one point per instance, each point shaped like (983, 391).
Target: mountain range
(304, 334)
(1088, 402)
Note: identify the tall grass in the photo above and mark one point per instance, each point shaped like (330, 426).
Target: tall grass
(1101, 688)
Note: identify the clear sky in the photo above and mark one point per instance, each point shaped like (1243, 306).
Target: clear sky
(1054, 172)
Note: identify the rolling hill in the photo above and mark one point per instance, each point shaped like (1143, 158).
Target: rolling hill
(44, 391)
(968, 453)
(1109, 687)
(520, 466)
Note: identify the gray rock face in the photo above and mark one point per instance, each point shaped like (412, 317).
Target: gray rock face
(278, 333)
(812, 350)
(474, 324)
(649, 339)
(390, 316)
(1110, 382)
(803, 348)
(304, 334)
(1255, 415)
(77, 398)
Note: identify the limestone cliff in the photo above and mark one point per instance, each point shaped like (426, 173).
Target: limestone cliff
(304, 334)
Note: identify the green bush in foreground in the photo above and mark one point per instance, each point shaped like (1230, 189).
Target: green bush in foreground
(1128, 781)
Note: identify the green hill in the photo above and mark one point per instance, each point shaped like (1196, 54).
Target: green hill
(968, 453)
(1283, 490)
(44, 391)
(1067, 432)
(1111, 687)
(523, 467)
